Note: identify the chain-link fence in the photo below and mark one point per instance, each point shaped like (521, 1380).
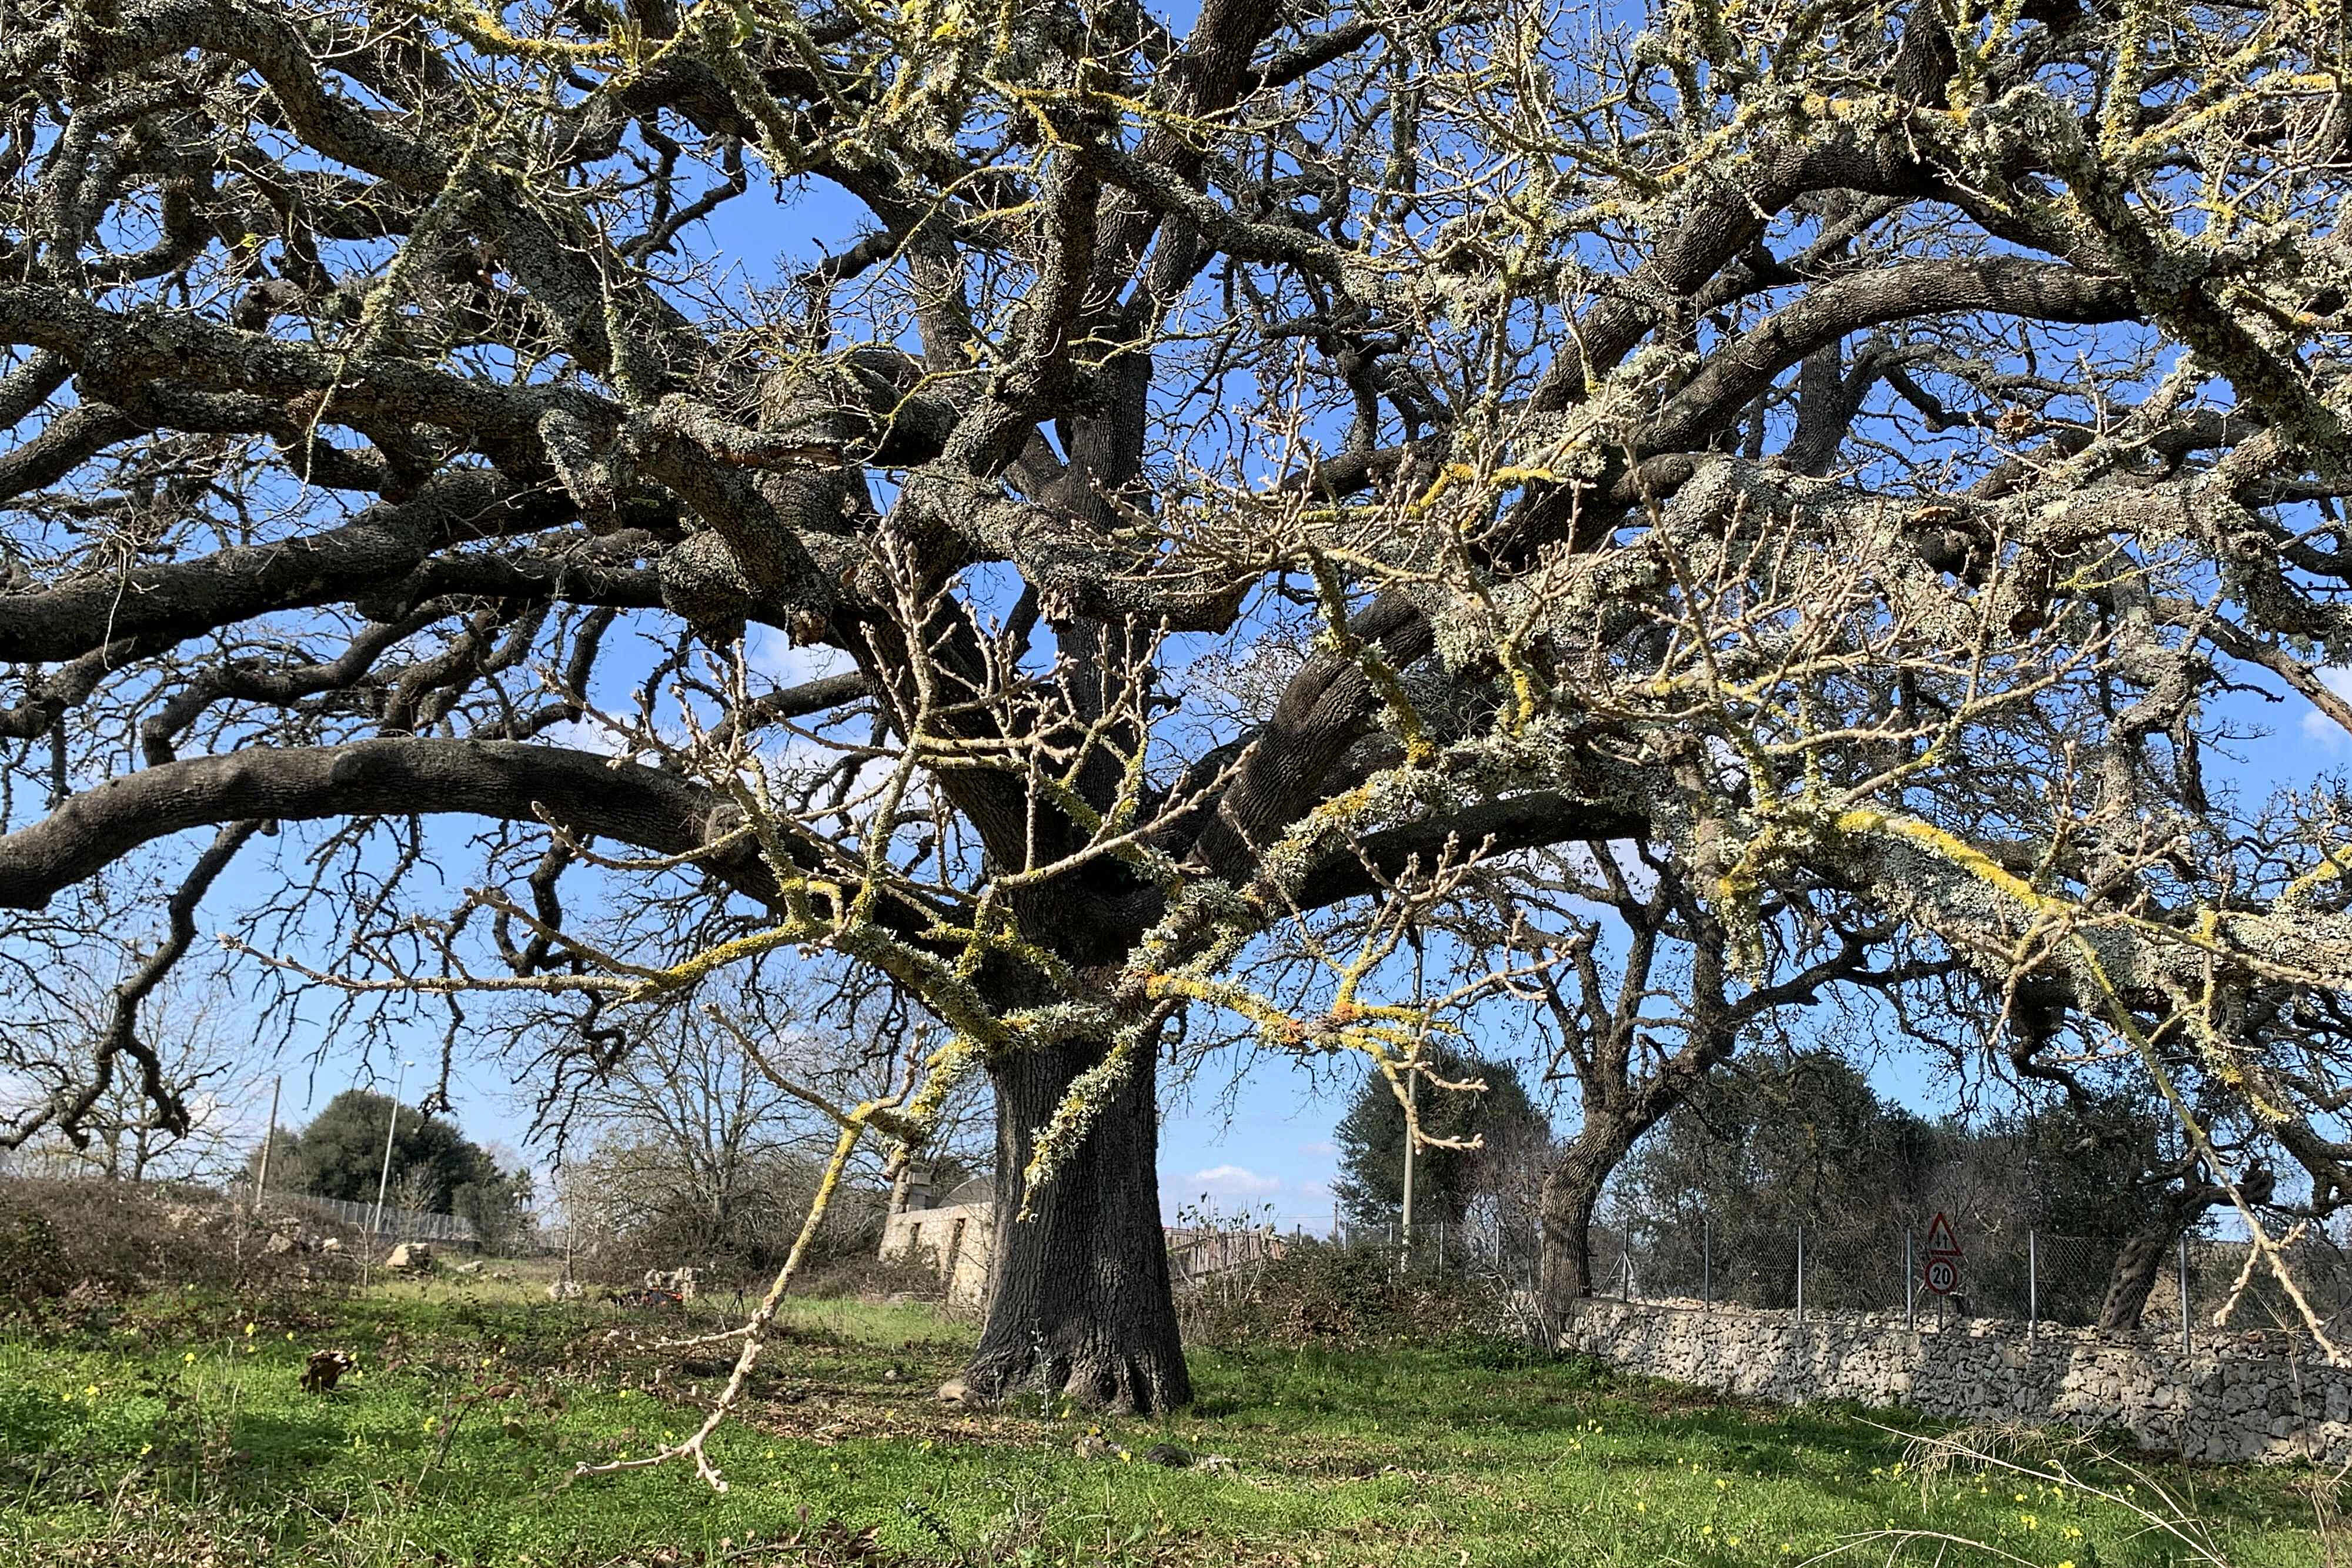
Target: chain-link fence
(1961, 1270)
(1904, 1266)
(400, 1224)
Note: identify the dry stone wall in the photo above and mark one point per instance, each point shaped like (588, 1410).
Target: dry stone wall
(2267, 1398)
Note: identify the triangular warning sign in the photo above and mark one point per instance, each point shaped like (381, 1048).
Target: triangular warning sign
(1942, 1242)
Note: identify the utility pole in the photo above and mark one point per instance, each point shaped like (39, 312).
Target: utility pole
(261, 1177)
(1412, 1092)
(383, 1180)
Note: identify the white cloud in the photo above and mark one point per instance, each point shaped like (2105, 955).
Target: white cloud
(1232, 1181)
(1321, 1150)
(2317, 727)
(770, 653)
(584, 735)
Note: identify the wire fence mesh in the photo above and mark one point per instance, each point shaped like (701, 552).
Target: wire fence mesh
(1974, 1272)
(401, 1224)
(1896, 1264)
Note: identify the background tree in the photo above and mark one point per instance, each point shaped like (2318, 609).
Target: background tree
(1762, 1149)
(340, 1153)
(2110, 1166)
(1636, 998)
(1855, 453)
(689, 1149)
(1804, 1139)
(498, 1209)
(188, 1125)
(1487, 1120)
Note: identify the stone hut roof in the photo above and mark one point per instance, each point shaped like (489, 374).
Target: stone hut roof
(979, 1190)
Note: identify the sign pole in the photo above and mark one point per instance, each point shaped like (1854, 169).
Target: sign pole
(384, 1181)
(1412, 1101)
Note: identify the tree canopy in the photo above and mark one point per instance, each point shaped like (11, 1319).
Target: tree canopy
(341, 1153)
(1258, 489)
(1470, 1111)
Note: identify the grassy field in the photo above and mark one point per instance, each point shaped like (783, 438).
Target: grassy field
(172, 1431)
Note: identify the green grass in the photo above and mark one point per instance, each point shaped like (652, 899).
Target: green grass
(167, 1432)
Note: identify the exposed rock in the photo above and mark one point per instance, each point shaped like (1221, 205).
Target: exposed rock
(647, 1296)
(411, 1258)
(953, 1391)
(685, 1284)
(1095, 1446)
(564, 1290)
(470, 1270)
(281, 1244)
(1170, 1455)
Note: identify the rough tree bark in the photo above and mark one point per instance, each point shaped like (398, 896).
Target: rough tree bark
(2140, 1262)
(2134, 1279)
(1571, 1192)
(1079, 1302)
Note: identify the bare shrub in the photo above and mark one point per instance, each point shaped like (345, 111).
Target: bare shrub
(868, 1278)
(1316, 1293)
(119, 1238)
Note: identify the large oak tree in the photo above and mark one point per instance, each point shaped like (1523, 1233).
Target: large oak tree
(1257, 478)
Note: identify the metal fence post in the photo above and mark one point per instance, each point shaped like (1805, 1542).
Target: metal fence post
(2032, 1283)
(1910, 1284)
(1707, 1263)
(1625, 1276)
(2186, 1346)
(1801, 1276)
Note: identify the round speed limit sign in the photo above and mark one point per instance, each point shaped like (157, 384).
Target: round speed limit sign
(1943, 1275)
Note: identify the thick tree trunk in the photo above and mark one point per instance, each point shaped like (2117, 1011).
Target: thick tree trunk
(2141, 1261)
(1571, 1191)
(1079, 1302)
(2135, 1274)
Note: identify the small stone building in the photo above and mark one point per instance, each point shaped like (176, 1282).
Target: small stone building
(955, 1235)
